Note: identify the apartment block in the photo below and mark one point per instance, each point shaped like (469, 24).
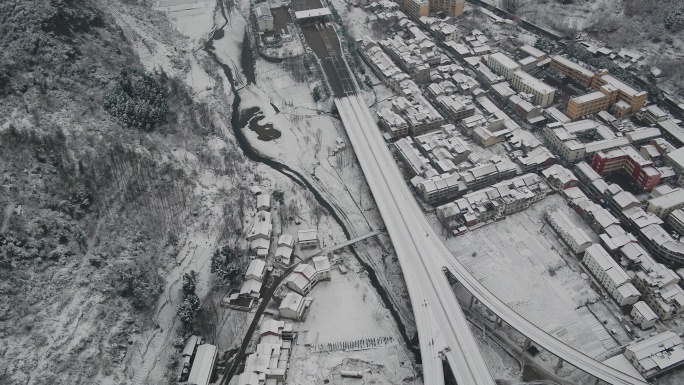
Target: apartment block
(675, 159)
(394, 124)
(591, 103)
(417, 8)
(660, 289)
(633, 100)
(418, 113)
(453, 8)
(629, 160)
(502, 65)
(676, 220)
(576, 239)
(441, 188)
(663, 205)
(572, 69)
(652, 114)
(524, 82)
(610, 274)
(455, 107)
(643, 315)
(560, 177)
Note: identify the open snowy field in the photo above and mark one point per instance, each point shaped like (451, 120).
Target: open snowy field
(345, 310)
(522, 266)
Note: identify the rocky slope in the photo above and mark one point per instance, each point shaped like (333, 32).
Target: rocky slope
(95, 207)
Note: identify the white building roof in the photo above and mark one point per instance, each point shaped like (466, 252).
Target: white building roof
(200, 374)
(256, 268)
(505, 60)
(312, 13)
(307, 235)
(321, 263)
(264, 200)
(645, 311)
(250, 286)
(292, 301)
(286, 240)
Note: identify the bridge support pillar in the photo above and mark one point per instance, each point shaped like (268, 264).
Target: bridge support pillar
(559, 365)
(497, 323)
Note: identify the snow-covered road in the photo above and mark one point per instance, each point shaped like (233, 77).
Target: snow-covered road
(442, 327)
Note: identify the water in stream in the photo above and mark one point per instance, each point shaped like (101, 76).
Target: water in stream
(239, 120)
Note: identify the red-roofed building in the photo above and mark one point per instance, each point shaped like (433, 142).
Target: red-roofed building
(631, 161)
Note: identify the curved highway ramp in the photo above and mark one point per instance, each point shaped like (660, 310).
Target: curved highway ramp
(442, 327)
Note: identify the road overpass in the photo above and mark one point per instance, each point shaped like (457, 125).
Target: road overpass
(423, 256)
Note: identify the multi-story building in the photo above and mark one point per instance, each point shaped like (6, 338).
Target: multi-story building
(629, 160)
(524, 82)
(382, 66)
(455, 107)
(570, 140)
(493, 202)
(394, 124)
(643, 315)
(675, 159)
(453, 8)
(591, 103)
(651, 114)
(263, 16)
(663, 205)
(656, 354)
(560, 177)
(417, 8)
(533, 52)
(441, 188)
(660, 289)
(676, 221)
(572, 69)
(610, 274)
(418, 113)
(576, 239)
(643, 135)
(488, 174)
(633, 100)
(502, 65)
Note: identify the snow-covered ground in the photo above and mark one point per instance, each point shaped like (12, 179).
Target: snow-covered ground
(347, 309)
(512, 258)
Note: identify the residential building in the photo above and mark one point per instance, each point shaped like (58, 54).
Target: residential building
(651, 114)
(643, 315)
(656, 354)
(417, 8)
(251, 288)
(673, 131)
(532, 52)
(662, 206)
(441, 188)
(495, 202)
(382, 66)
(675, 159)
(394, 124)
(630, 161)
(453, 8)
(524, 82)
(502, 65)
(306, 275)
(643, 135)
(263, 202)
(676, 220)
(560, 177)
(662, 245)
(294, 305)
(256, 270)
(575, 71)
(660, 289)
(443, 146)
(203, 365)
(307, 238)
(576, 238)
(259, 236)
(189, 350)
(523, 107)
(588, 104)
(535, 159)
(455, 107)
(418, 113)
(488, 174)
(263, 16)
(419, 164)
(612, 277)
(633, 100)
